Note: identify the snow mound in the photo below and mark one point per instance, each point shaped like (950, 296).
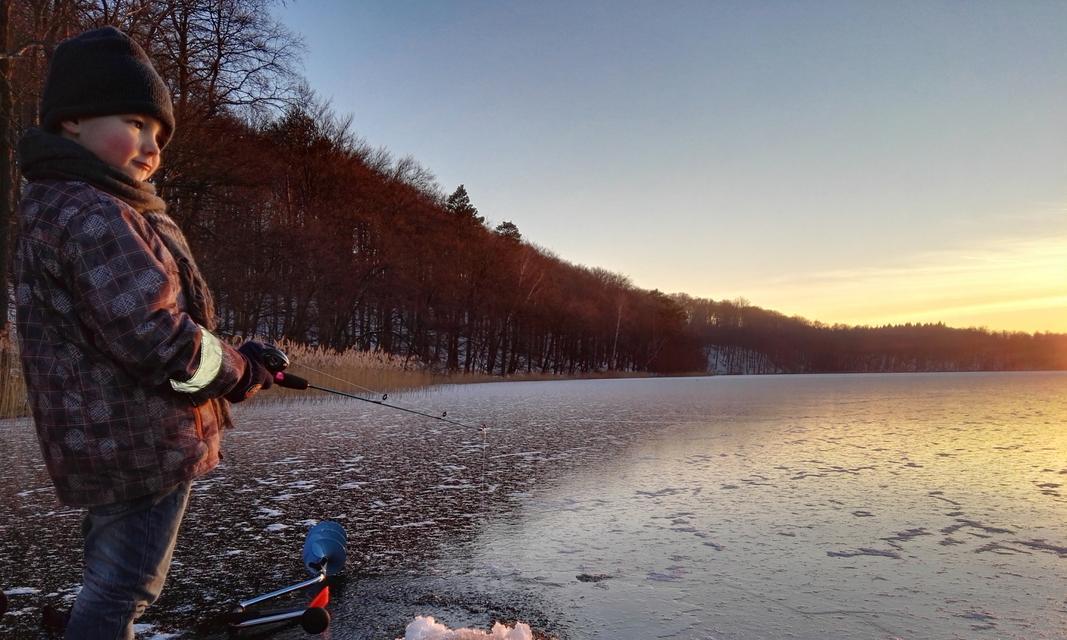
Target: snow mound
(426, 628)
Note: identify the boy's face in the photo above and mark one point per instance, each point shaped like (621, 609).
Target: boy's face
(127, 142)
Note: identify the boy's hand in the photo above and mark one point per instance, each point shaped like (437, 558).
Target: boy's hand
(256, 376)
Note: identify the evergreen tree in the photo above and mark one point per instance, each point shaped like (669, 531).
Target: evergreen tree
(508, 230)
(459, 205)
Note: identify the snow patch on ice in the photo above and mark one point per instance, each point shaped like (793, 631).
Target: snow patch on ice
(273, 528)
(146, 632)
(289, 460)
(424, 523)
(426, 628)
(25, 611)
(21, 591)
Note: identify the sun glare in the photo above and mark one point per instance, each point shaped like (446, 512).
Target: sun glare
(1016, 286)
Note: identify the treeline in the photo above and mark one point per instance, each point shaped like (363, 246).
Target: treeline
(307, 232)
(340, 246)
(741, 338)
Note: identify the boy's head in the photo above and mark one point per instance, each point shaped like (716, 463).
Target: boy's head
(104, 73)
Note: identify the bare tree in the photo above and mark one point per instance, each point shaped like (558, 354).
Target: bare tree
(29, 30)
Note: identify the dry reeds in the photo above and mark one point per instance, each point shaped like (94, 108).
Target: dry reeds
(366, 373)
(12, 387)
(352, 371)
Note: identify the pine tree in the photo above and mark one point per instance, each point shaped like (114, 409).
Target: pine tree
(508, 230)
(459, 204)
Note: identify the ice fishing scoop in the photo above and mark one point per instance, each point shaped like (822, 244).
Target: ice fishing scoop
(324, 556)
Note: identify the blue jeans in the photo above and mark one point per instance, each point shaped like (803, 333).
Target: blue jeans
(128, 548)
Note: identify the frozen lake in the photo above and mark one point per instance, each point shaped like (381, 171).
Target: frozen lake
(729, 508)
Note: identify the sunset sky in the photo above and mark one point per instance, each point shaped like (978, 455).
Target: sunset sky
(853, 162)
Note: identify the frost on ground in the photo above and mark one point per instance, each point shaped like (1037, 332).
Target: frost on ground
(148, 632)
(426, 628)
(881, 480)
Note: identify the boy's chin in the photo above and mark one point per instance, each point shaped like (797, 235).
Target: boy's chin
(138, 174)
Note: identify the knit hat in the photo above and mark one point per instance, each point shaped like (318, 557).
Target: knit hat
(101, 73)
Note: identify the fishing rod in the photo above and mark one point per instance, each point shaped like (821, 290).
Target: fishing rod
(277, 362)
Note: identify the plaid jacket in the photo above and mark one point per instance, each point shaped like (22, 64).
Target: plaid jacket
(105, 344)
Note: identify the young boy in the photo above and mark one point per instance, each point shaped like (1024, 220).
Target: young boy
(127, 384)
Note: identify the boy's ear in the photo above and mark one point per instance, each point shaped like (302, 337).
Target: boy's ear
(71, 127)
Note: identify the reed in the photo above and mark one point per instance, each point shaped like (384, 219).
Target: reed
(367, 373)
(12, 387)
(352, 371)
(536, 376)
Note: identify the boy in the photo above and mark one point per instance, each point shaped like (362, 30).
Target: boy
(127, 384)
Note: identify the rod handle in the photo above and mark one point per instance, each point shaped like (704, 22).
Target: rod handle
(289, 381)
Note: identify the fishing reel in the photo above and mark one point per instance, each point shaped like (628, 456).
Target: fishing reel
(274, 359)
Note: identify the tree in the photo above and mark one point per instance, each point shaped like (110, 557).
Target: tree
(459, 205)
(508, 230)
(29, 29)
(224, 60)
(7, 170)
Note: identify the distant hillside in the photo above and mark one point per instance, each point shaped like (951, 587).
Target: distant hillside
(740, 338)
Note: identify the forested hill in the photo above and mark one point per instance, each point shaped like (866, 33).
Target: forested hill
(741, 338)
(307, 232)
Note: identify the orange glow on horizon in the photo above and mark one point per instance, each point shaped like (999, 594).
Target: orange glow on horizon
(1016, 286)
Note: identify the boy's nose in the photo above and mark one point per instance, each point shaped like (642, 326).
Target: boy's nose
(149, 146)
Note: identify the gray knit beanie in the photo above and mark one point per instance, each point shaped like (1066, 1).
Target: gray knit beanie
(101, 73)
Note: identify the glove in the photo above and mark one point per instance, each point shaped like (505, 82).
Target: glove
(256, 376)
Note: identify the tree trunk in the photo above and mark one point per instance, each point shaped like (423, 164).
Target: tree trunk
(7, 165)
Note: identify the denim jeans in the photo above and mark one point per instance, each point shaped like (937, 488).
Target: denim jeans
(128, 548)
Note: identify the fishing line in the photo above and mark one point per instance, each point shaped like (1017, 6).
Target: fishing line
(277, 362)
(290, 381)
(348, 382)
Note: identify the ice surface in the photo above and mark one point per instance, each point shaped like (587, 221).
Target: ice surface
(860, 507)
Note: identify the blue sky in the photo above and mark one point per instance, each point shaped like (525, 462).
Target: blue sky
(858, 162)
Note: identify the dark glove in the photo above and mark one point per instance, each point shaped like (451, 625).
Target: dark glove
(256, 376)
